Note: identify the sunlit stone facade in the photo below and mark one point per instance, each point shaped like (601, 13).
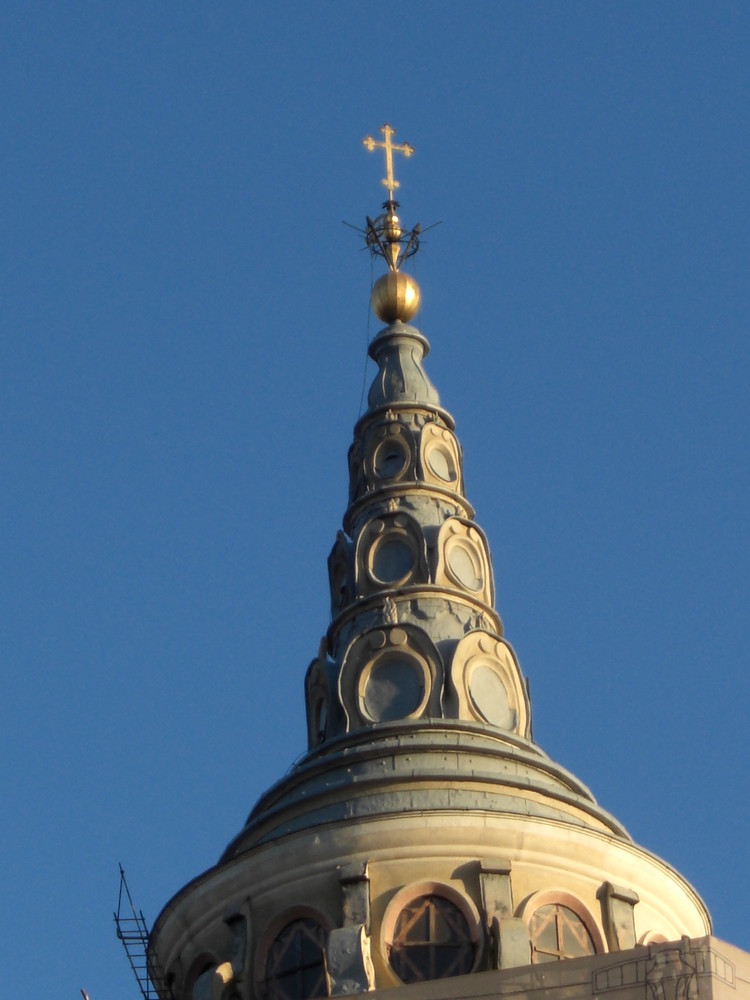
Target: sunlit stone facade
(425, 842)
(424, 836)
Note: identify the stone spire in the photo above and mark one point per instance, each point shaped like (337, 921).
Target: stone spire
(424, 834)
(414, 633)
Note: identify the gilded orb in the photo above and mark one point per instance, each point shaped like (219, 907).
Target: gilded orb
(392, 229)
(395, 296)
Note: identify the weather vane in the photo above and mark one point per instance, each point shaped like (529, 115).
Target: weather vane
(384, 235)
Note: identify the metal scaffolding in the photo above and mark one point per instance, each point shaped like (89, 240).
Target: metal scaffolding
(133, 932)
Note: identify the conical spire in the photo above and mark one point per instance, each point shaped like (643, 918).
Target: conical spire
(414, 633)
(422, 802)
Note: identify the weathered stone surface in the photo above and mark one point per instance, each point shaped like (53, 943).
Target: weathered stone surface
(348, 962)
(618, 905)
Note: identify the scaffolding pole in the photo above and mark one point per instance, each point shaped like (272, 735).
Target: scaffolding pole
(132, 930)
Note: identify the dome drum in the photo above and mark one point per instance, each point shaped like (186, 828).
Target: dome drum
(376, 879)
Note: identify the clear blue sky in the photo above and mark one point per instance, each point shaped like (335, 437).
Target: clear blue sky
(184, 330)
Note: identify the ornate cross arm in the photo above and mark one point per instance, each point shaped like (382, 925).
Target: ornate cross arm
(388, 181)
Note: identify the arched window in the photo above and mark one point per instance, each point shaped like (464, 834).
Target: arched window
(559, 929)
(295, 962)
(431, 939)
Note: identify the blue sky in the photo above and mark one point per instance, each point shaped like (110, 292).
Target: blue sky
(185, 323)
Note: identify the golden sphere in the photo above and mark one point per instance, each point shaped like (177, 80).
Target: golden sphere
(392, 229)
(395, 296)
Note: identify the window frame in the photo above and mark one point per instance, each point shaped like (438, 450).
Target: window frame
(408, 894)
(271, 934)
(555, 897)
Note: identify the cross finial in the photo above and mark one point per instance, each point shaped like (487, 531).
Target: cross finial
(388, 181)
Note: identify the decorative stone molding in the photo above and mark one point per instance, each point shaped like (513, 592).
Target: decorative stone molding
(390, 552)
(463, 560)
(510, 943)
(199, 979)
(349, 967)
(486, 684)
(495, 888)
(222, 980)
(440, 458)
(355, 888)
(340, 570)
(390, 673)
(388, 454)
(218, 974)
(390, 612)
(356, 472)
(319, 703)
(508, 935)
(398, 351)
(652, 937)
(618, 915)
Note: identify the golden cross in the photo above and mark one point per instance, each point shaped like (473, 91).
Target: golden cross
(390, 182)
